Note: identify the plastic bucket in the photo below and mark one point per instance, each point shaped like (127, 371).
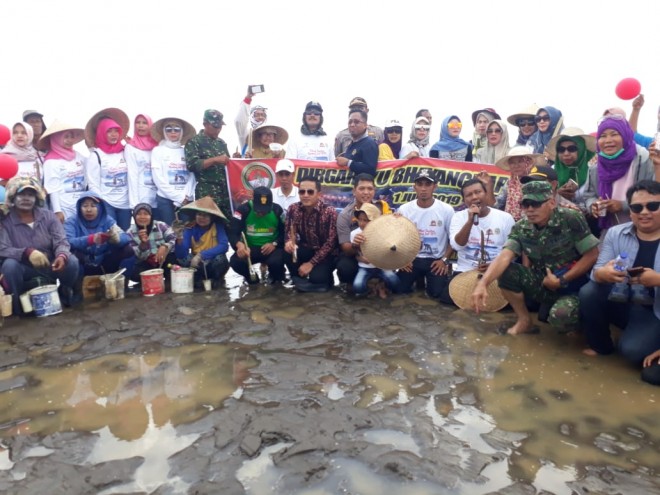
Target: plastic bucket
(45, 300)
(182, 280)
(112, 289)
(152, 282)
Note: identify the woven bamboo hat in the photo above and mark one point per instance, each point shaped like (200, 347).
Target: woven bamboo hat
(392, 242)
(462, 286)
(567, 134)
(281, 136)
(157, 129)
(59, 126)
(205, 205)
(115, 114)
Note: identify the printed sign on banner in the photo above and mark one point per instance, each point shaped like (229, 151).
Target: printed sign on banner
(394, 179)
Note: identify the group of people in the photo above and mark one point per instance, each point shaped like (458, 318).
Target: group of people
(550, 237)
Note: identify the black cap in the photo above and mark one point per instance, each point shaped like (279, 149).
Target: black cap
(314, 105)
(262, 201)
(540, 173)
(426, 174)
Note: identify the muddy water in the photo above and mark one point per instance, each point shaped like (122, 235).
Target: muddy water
(266, 391)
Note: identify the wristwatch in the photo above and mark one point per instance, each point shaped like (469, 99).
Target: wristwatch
(563, 283)
(274, 243)
(445, 260)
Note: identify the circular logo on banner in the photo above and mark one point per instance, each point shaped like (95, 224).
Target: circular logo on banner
(257, 174)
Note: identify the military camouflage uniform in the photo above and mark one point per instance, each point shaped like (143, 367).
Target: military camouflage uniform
(213, 180)
(557, 246)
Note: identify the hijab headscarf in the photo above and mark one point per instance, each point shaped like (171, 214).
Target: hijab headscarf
(611, 169)
(146, 143)
(539, 140)
(490, 154)
(448, 143)
(102, 136)
(395, 147)
(580, 169)
(479, 141)
(57, 149)
(168, 143)
(420, 143)
(253, 122)
(91, 226)
(27, 153)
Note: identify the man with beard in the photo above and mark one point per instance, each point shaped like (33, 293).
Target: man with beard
(313, 142)
(33, 244)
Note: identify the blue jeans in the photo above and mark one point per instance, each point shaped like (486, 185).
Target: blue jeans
(641, 328)
(17, 274)
(166, 210)
(365, 274)
(121, 215)
(435, 284)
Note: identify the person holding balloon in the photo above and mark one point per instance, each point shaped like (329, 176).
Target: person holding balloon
(621, 163)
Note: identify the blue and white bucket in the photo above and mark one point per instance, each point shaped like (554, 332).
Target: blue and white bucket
(45, 300)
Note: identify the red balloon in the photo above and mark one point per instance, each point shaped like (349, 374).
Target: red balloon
(8, 166)
(628, 88)
(5, 135)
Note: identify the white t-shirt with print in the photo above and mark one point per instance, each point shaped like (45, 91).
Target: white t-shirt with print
(433, 226)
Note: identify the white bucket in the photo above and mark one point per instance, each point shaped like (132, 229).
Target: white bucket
(45, 300)
(113, 289)
(182, 280)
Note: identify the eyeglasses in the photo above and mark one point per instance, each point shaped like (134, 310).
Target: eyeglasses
(313, 112)
(393, 130)
(652, 206)
(306, 192)
(542, 118)
(567, 149)
(355, 122)
(455, 125)
(530, 203)
(268, 133)
(173, 129)
(494, 131)
(525, 122)
(422, 127)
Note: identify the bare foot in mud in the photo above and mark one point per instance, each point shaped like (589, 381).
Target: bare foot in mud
(589, 352)
(382, 291)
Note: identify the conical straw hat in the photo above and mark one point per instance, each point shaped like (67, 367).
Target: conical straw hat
(115, 114)
(392, 242)
(206, 205)
(59, 126)
(187, 134)
(462, 286)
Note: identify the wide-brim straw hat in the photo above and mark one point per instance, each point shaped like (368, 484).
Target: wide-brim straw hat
(392, 242)
(59, 126)
(115, 114)
(462, 286)
(569, 132)
(525, 113)
(206, 205)
(281, 136)
(537, 159)
(157, 129)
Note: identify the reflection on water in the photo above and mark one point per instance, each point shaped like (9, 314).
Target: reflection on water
(121, 392)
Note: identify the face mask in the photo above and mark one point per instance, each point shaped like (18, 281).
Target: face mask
(611, 157)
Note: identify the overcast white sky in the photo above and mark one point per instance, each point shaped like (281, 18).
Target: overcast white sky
(71, 58)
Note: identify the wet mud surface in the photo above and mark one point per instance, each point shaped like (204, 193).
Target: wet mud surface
(267, 391)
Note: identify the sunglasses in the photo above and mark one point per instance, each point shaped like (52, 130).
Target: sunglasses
(393, 131)
(494, 131)
(422, 127)
(652, 206)
(530, 203)
(313, 112)
(173, 129)
(455, 125)
(525, 123)
(306, 192)
(570, 149)
(542, 118)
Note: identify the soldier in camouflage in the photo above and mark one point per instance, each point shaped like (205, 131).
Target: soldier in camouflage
(207, 157)
(561, 251)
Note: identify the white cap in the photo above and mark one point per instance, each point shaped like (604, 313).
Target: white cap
(393, 123)
(285, 165)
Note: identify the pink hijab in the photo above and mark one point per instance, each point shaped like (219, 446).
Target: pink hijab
(102, 136)
(57, 150)
(146, 143)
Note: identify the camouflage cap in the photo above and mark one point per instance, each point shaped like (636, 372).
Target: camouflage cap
(537, 191)
(214, 118)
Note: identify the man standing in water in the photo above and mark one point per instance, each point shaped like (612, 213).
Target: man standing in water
(207, 157)
(561, 250)
(311, 239)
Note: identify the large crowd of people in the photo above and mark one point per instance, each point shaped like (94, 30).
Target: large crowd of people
(573, 235)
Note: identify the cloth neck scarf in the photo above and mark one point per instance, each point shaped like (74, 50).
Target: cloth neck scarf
(58, 150)
(146, 143)
(447, 142)
(102, 136)
(25, 153)
(253, 122)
